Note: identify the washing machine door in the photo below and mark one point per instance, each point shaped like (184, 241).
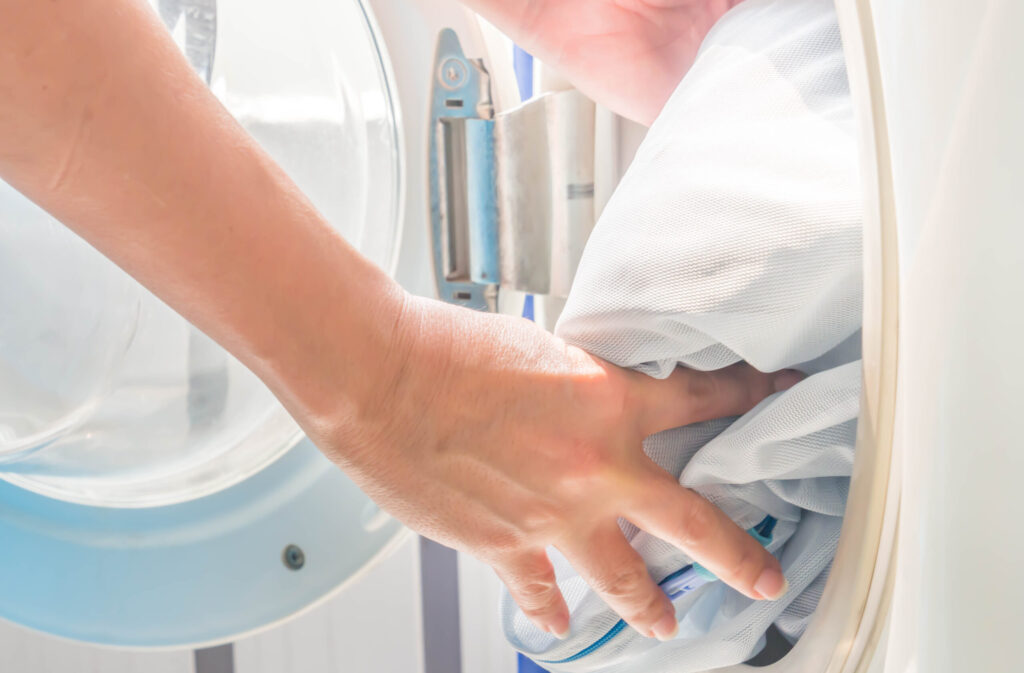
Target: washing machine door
(152, 491)
(926, 577)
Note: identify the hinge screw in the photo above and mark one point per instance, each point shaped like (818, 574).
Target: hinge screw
(453, 73)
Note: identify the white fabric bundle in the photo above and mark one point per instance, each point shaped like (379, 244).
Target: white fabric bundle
(735, 235)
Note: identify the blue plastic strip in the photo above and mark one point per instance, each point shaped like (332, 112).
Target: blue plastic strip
(481, 202)
(527, 665)
(676, 585)
(528, 307)
(522, 63)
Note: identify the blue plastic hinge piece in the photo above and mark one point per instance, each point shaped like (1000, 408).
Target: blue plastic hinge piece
(463, 195)
(481, 201)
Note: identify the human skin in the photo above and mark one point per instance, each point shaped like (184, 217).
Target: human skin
(480, 431)
(626, 54)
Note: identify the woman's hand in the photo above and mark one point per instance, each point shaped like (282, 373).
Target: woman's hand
(478, 430)
(492, 436)
(626, 54)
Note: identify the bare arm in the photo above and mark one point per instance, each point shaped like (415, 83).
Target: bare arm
(481, 431)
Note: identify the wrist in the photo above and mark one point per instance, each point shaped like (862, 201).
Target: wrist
(344, 341)
(396, 405)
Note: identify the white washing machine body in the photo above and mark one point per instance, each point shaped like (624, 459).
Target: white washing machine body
(925, 577)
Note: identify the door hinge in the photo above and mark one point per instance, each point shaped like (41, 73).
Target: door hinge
(512, 194)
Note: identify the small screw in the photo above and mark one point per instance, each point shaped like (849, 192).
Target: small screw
(453, 74)
(294, 558)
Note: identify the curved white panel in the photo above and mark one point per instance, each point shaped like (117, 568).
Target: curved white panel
(954, 87)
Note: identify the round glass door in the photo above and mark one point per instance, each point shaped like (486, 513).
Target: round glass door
(107, 396)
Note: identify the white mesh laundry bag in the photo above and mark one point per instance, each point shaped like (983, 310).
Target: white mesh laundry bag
(735, 235)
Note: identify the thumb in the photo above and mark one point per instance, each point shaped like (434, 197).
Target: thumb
(690, 396)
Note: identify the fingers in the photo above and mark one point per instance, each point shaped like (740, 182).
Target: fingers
(613, 569)
(689, 396)
(531, 582)
(683, 518)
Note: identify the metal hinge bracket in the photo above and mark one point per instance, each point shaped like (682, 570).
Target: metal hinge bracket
(511, 195)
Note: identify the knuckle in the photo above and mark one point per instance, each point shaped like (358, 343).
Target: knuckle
(588, 457)
(502, 543)
(523, 566)
(745, 568)
(647, 613)
(587, 464)
(531, 581)
(537, 612)
(534, 589)
(702, 386)
(753, 386)
(539, 519)
(696, 527)
(604, 390)
(623, 583)
(536, 598)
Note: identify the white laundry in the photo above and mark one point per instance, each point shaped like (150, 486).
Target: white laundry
(735, 235)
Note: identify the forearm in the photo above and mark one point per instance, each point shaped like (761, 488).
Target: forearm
(103, 124)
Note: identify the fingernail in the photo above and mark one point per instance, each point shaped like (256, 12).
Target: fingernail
(786, 379)
(667, 628)
(772, 584)
(558, 628)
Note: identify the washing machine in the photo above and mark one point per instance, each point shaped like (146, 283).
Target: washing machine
(153, 494)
